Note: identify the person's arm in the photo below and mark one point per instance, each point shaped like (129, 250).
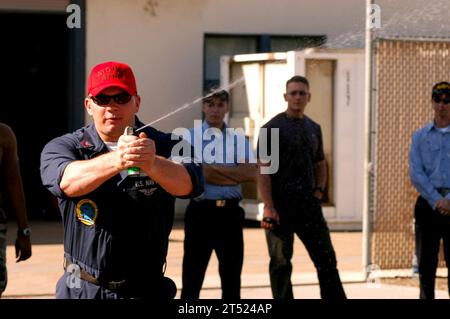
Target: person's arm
(82, 177)
(12, 182)
(265, 188)
(14, 194)
(417, 174)
(229, 175)
(320, 174)
(320, 166)
(173, 177)
(245, 169)
(264, 181)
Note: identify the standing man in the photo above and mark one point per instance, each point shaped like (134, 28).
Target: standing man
(11, 194)
(116, 226)
(292, 197)
(429, 169)
(215, 220)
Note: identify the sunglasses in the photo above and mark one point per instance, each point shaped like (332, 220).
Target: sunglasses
(295, 93)
(437, 99)
(103, 99)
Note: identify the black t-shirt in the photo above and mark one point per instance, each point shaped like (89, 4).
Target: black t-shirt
(300, 148)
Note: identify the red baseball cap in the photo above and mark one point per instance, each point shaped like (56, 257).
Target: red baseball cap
(111, 74)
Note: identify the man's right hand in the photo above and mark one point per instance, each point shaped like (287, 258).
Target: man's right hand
(122, 149)
(133, 151)
(270, 218)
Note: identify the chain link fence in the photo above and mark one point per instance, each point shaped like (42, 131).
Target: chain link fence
(405, 70)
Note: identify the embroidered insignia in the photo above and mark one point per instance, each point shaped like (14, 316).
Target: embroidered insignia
(148, 191)
(87, 212)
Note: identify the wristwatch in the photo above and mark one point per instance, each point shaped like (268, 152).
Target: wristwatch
(24, 232)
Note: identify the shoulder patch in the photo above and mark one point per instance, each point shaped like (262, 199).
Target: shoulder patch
(87, 211)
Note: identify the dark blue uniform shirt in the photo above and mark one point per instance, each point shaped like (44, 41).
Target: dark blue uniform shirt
(120, 230)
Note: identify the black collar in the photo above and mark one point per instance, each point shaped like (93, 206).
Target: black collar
(90, 139)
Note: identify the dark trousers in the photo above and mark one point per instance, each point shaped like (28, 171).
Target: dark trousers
(305, 219)
(431, 227)
(209, 228)
(70, 287)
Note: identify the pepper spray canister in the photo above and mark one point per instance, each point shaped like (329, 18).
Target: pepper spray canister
(129, 130)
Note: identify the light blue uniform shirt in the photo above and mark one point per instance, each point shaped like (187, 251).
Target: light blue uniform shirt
(239, 154)
(429, 162)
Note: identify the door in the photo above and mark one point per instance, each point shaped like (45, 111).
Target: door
(320, 74)
(35, 97)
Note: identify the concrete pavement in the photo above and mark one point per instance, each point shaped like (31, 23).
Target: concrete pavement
(37, 277)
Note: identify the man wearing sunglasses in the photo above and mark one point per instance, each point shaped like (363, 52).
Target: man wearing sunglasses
(429, 169)
(292, 197)
(116, 226)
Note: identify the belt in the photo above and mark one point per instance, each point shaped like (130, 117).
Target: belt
(443, 191)
(111, 285)
(220, 202)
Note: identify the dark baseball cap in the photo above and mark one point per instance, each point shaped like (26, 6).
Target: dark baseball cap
(441, 88)
(221, 94)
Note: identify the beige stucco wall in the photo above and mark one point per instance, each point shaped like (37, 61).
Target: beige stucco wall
(163, 39)
(166, 49)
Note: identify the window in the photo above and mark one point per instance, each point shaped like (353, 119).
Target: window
(217, 45)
